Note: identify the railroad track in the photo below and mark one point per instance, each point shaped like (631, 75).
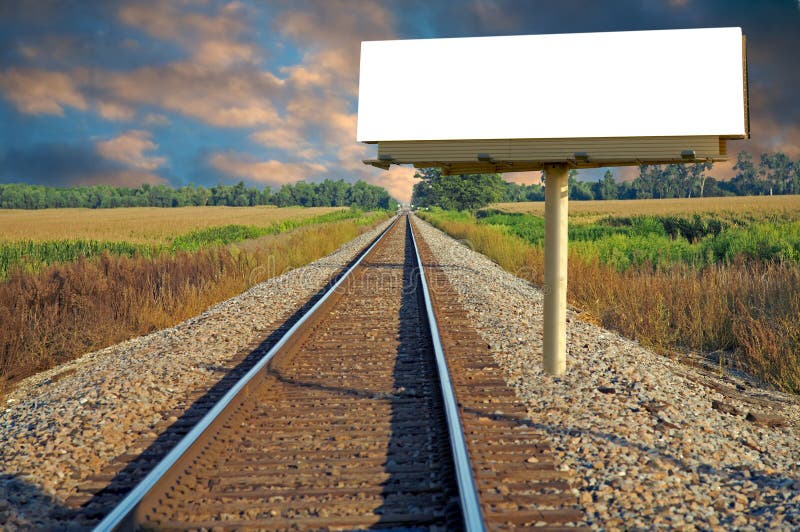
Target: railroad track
(355, 419)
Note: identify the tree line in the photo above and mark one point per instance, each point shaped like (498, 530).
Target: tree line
(328, 193)
(774, 173)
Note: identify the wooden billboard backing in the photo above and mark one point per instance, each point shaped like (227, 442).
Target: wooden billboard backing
(521, 155)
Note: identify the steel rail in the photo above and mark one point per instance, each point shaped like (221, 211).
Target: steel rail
(468, 493)
(128, 505)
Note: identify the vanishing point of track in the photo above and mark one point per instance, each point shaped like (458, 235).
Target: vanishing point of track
(380, 408)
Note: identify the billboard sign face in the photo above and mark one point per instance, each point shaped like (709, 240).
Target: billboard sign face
(665, 83)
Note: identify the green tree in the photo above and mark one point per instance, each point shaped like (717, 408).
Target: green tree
(423, 194)
(794, 187)
(605, 188)
(777, 172)
(327, 193)
(644, 185)
(578, 190)
(745, 181)
(457, 191)
(698, 177)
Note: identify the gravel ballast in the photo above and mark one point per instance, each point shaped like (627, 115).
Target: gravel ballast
(652, 442)
(66, 425)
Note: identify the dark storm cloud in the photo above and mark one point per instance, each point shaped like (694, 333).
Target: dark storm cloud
(63, 34)
(58, 164)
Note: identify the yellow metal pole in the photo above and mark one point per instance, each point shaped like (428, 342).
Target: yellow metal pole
(556, 194)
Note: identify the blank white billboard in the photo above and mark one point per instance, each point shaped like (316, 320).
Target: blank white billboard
(621, 84)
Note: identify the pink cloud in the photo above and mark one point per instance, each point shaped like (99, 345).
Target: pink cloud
(287, 138)
(398, 181)
(115, 111)
(155, 119)
(36, 92)
(212, 39)
(218, 97)
(333, 47)
(524, 178)
(170, 21)
(222, 53)
(768, 135)
(129, 149)
(625, 173)
(270, 172)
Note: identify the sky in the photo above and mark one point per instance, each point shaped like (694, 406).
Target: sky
(205, 92)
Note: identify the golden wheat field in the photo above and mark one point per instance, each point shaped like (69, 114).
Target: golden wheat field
(141, 225)
(589, 211)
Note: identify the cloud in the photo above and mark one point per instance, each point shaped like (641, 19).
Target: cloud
(167, 21)
(398, 181)
(218, 83)
(625, 173)
(272, 172)
(212, 39)
(37, 92)
(50, 48)
(768, 135)
(29, 51)
(223, 53)
(332, 49)
(68, 164)
(524, 178)
(155, 119)
(115, 111)
(226, 98)
(286, 138)
(493, 14)
(128, 149)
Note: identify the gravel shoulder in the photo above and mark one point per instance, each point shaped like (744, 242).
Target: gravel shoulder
(66, 425)
(652, 442)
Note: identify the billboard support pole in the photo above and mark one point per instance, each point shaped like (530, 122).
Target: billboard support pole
(556, 193)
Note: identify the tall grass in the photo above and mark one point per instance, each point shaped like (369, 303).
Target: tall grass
(746, 306)
(30, 256)
(68, 309)
(228, 234)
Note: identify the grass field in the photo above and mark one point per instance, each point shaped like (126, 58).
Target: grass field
(702, 280)
(757, 207)
(697, 240)
(66, 297)
(189, 230)
(138, 225)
